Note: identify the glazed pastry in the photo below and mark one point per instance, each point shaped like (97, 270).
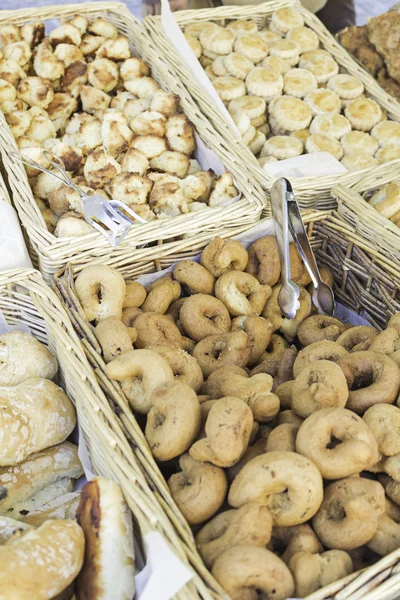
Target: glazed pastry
(284, 19)
(363, 113)
(305, 37)
(320, 63)
(320, 142)
(282, 147)
(287, 50)
(299, 82)
(265, 83)
(291, 113)
(346, 86)
(358, 141)
(355, 161)
(335, 125)
(323, 102)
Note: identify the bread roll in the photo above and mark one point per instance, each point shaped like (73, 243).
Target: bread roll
(47, 494)
(42, 563)
(35, 415)
(22, 357)
(62, 507)
(10, 527)
(23, 481)
(108, 570)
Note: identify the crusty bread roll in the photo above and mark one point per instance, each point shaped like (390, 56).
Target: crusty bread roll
(23, 481)
(10, 527)
(42, 563)
(35, 415)
(22, 357)
(62, 507)
(47, 494)
(108, 570)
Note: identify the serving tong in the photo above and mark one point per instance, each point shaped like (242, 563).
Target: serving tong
(107, 216)
(287, 218)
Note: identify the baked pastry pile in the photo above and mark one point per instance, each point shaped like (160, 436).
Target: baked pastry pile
(386, 200)
(80, 94)
(42, 546)
(287, 95)
(375, 45)
(283, 433)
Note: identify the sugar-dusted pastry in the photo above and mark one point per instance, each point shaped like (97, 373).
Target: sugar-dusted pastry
(277, 64)
(323, 102)
(241, 27)
(359, 141)
(346, 86)
(252, 46)
(196, 29)
(218, 67)
(305, 37)
(257, 143)
(269, 36)
(229, 88)
(299, 82)
(301, 135)
(357, 161)
(282, 146)
(386, 133)
(335, 125)
(286, 49)
(320, 142)
(238, 65)
(218, 40)
(194, 44)
(264, 82)
(320, 63)
(387, 153)
(251, 105)
(284, 19)
(363, 113)
(291, 113)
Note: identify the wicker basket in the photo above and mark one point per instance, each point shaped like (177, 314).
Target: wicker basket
(25, 298)
(336, 248)
(313, 191)
(54, 253)
(368, 222)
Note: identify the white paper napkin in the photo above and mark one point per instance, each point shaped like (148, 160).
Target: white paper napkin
(13, 250)
(315, 164)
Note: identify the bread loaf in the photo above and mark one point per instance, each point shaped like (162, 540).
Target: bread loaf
(22, 357)
(62, 507)
(35, 414)
(108, 570)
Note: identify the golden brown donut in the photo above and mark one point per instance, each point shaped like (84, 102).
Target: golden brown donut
(372, 378)
(135, 294)
(270, 360)
(264, 260)
(318, 328)
(114, 337)
(387, 342)
(250, 524)
(288, 416)
(259, 331)
(241, 293)
(357, 338)
(130, 314)
(101, 291)
(221, 256)
(188, 344)
(228, 428)
(243, 570)
(173, 421)
(318, 351)
(216, 351)
(319, 385)
(203, 315)
(284, 391)
(156, 330)
(199, 490)
(174, 312)
(384, 422)
(312, 572)
(184, 367)
(288, 483)
(300, 538)
(349, 514)
(387, 537)
(338, 442)
(194, 278)
(282, 438)
(160, 294)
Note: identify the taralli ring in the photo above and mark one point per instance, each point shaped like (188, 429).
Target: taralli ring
(319, 385)
(101, 291)
(318, 328)
(221, 256)
(216, 351)
(156, 330)
(318, 351)
(241, 293)
(357, 338)
(202, 315)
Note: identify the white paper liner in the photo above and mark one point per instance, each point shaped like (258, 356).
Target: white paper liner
(316, 164)
(13, 250)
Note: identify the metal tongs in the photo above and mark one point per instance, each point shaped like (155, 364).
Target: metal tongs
(287, 218)
(107, 216)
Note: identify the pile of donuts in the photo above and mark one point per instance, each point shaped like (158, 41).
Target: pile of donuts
(287, 95)
(79, 94)
(46, 526)
(284, 434)
(386, 200)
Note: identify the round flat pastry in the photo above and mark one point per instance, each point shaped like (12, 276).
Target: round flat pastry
(264, 82)
(194, 44)
(346, 86)
(269, 36)
(345, 102)
(320, 142)
(282, 146)
(320, 63)
(241, 27)
(299, 82)
(302, 135)
(238, 65)
(257, 143)
(210, 73)
(265, 129)
(323, 102)
(386, 200)
(249, 135)
(252, 47)
(277, 64)
(253, 106)
(218, 40)
(305, 37)
(210, 55)
(359, 141)
(258, 121)
(242, 121)
(335, 125)
(363, 113)
(196, 29)
(286, 49)
(219, 68)
(264, 160)
(387, 133)
(358, 161)
(388, 153)
(291, 113)
(229, 88)
(284, 19)
(205, 61)
(277, 129)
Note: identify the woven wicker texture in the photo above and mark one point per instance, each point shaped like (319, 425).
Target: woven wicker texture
(54, 253)
(314, 191)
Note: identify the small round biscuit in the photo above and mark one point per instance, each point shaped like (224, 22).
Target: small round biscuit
(282, 146)
(323, 102)
(259, 121)
(257, 143)
(363, 113)
(386, 133)
(229, 88)
(265, 160)
(287, 50)
(238, 65)
(305, 37)
(277, 64)
(196, 29)
(249, 135)
(253, 106)
(291, 113)
(358, 141)
(218, 40)
(347, 87)
(241, 27)
(302, 135)
(219, 68)
(320, 142)
(299, 82)
(320, 63)
(263, 82)
(388, 153)
(195, 45)
(269, 36)
(284, 19)
(210, 73)
(242, 121)
(357, 161)
(335, 125)
(252, 47)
